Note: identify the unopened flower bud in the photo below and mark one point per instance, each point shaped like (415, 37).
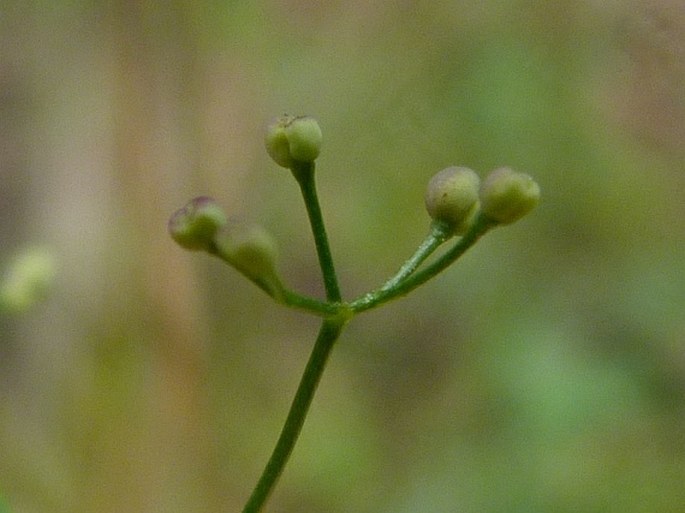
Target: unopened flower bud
(507, 196)
(291, 139)
(195, 225)
(452, 197)
(250, 249)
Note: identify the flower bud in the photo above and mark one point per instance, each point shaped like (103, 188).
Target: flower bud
(250, 249)
(291, 139)
(452, 197)
(507, 196)
(195, 225)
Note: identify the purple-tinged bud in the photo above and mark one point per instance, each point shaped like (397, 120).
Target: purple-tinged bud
(506, 195)
(195, 225)
(452, 197)
(291, 139)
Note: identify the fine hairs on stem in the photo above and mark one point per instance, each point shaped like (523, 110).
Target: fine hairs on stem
(461, 210)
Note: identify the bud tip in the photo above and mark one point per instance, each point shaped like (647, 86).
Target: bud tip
(193, 227)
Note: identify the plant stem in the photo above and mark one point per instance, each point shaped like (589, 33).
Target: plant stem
(438, 234)
(384, 294)
(304, 174)
(328, 334)
(276, 290)
(311, 305)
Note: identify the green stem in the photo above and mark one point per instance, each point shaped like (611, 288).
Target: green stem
(384, 294)
(304, 174)
(273, 287)
(311, 305)
(328, 334)
(438, 234)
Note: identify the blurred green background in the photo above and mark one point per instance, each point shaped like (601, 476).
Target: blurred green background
(544, 372)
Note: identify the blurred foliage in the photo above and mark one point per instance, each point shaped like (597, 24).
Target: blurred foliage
(544, 373)
(27, 279)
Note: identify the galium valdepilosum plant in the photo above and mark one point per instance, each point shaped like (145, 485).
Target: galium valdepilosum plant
(462, 209)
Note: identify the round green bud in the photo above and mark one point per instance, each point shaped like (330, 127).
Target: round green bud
(452, 197)
(291, 139)
(195, 225)
(250, 249)
(27, 279)
(506, 196)
(276, 141)
(305, 137)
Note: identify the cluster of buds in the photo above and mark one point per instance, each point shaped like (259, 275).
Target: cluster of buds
(455, 199)
(455, 196)
(202, 225)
